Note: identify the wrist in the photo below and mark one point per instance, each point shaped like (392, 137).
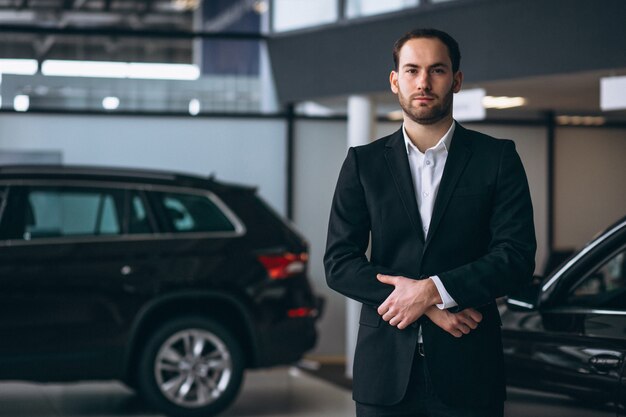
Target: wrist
(433, 293)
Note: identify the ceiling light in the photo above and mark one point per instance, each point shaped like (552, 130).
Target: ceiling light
(21, 102)
(468, 105)
(395, 115)
(580, 120)
(194, 106)
(613, 93)
(163, 71)
(503, 102)
(110, 103)
(18, 66)
(104, 69)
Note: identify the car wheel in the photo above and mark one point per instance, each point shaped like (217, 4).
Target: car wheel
(190, 367)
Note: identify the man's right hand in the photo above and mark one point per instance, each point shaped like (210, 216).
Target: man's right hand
(457, 324)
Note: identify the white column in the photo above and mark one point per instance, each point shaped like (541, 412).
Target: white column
(269, 99)
(361, 123)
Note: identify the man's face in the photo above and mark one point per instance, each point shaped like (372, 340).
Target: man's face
(424, 82)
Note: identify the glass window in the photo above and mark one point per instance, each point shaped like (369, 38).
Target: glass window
(605, 288)
(357, 8)
(296, 14)
(138, 221)
(69, 212)
(194, 213)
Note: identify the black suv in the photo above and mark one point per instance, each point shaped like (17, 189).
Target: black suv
(171, 283)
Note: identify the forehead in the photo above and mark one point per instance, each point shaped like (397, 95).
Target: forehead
(423, 52)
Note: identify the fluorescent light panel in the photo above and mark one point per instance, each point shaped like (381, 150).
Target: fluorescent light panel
(18, 66)
(503, 102)
(613, 93)
(104, 69)
(163, 71)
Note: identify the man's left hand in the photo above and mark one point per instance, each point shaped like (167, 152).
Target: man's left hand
(409, 300)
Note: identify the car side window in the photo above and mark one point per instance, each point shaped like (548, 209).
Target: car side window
(138, 221)
(605, 287)
(193, 213)
(61, 212)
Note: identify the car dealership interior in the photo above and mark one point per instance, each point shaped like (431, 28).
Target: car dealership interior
(125, 125)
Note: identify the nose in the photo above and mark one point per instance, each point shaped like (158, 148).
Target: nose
(423, 81)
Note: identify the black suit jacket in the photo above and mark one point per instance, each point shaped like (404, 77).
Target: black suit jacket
(481, 244)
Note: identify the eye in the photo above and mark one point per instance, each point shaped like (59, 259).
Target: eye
(438, 71)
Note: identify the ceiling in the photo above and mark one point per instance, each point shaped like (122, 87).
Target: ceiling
(90, 13)
(575, 94)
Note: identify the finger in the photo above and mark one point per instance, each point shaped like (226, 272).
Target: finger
(474, 314)
(384, 307)
(386, 279)
(468, 321)
(388, 316)
(403, 325)
(464, 329)
(394, 321)
(456, 333)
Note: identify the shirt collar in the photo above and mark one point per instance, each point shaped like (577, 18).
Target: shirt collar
(443, 144)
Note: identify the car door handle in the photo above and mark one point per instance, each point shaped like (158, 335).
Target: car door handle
(605, 362)
(126, 270)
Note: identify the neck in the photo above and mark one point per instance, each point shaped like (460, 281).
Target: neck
(427, 136)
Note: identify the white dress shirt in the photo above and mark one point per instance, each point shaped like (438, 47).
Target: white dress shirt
(426, 172)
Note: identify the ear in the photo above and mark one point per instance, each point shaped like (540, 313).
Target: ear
(393, 81)
(457, 81)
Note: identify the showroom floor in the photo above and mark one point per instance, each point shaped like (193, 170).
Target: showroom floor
(277, 393)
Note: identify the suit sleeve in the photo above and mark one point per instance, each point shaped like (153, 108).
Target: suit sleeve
(348, 270)
(510, 259)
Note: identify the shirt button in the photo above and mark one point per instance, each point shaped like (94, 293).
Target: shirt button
(425, 229)
(425, 194)
(427, 162)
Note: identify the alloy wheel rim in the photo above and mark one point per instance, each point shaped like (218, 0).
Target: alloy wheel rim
(193, 368)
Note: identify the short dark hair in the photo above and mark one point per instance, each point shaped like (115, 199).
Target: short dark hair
(453, 46)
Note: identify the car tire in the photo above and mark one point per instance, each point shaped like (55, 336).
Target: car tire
(190, 367)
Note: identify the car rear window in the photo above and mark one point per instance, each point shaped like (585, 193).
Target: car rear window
(187, 213)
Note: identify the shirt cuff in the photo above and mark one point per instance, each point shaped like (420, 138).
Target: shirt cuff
(448, 301)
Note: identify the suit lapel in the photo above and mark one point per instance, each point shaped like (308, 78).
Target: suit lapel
(458, 155)
(396, 156)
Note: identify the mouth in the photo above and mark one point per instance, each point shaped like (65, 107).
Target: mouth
(423, 99)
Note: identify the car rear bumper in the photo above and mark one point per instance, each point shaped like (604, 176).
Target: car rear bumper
(287, 341)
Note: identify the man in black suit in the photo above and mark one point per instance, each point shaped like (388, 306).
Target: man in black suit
(450, 220)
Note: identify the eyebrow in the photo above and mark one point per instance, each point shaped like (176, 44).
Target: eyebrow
(435, 65)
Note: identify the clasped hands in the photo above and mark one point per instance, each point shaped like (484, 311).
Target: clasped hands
(411, 299)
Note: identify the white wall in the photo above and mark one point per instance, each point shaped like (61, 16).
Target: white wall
(320, 148)
(248, 151)
(590, 189)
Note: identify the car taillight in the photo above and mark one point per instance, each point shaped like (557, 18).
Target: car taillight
(284, 265)
(302, 312)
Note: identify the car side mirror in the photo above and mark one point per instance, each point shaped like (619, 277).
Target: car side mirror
(527, 298)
